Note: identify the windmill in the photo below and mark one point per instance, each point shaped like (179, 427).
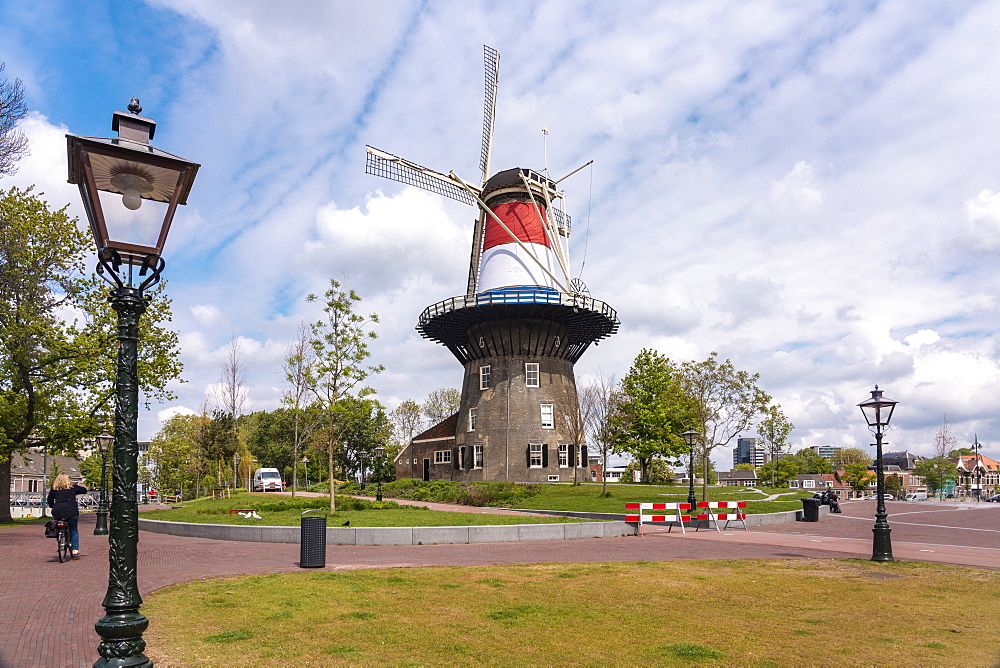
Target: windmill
(518, 330)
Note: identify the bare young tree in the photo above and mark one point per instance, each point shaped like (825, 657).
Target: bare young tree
(299, 363)
(232, 395)
(13, 143)
(441, 403)
(944, 440)
(596, 406)
(406, 420)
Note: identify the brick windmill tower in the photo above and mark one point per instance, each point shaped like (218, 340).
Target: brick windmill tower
(518, 330)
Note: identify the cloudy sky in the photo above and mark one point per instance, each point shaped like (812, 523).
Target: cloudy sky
(812, 189)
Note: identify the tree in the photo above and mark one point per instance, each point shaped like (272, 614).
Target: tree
(13, 143)
(844, 456)
(231, 398)
(405, 421)
(658, 472)
(441, 403)
(363, 426)
(858, 476)
(651, 411)
(340, 343)
(936, 472)
(300, 359)
(596, 401)
(773, 431)
(747, 467)
(811, 462)
(894, 486)
(172, 450)
(779, 471)
(961, 452)
(727, 402)
(944, 440)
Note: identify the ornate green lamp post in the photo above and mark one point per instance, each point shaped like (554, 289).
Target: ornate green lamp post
(379, 457)
(104, 441)
(130, 190)
(691, 437)
(878, 412)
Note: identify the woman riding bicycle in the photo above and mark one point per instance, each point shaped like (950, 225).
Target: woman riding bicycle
(62, 500)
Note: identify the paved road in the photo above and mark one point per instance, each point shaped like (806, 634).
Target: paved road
(48, 609)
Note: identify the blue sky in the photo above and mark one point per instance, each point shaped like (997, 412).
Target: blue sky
(811, 189)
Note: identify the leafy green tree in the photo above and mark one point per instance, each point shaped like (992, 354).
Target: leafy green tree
(844, 456)
(936, 472)
(894, 486)
(858, 476)
(340, 343)
(440, 404)
(779, 472)
(659, 472)
(745, 467)
(961, 452)
(727, 402)
(270, 436)
(651, 411)
(172, 451)
(363, 427)
(809, 461)
(90, 467)
(218, 445)
(773, 431)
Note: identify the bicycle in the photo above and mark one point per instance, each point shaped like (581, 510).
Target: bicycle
(64, 549)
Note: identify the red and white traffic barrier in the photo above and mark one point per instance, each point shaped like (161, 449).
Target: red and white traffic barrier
(738, 516)
(673, 508)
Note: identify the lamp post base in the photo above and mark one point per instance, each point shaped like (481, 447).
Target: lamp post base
(101, 529)
(121, 640)
(881, 544)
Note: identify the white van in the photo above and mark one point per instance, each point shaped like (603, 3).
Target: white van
(917, 496)
(267, 480)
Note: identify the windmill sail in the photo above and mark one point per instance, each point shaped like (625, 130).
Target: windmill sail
(492, 57)
(394, 168)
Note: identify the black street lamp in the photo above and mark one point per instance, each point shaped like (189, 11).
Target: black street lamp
(691, 437)
(104, 440)
(130, 231)
(236, 470)
(878, 412)
(379, 455)
(977, 470)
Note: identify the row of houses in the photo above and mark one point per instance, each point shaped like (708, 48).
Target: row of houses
(978, 476)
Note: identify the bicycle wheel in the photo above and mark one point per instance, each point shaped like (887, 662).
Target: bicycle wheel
(62, 545)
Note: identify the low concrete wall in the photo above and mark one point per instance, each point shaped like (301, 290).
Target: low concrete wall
(767, 519)
(397, 535)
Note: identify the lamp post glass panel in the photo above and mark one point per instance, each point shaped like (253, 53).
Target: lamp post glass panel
(379, 455)
(878, 412)
(691, 437)
(104, 441)
(130, 190)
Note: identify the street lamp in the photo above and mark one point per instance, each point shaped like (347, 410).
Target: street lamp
(305, 460)
(129, 231)
(104, 441)
(691, 437)
(379, 454)
(236, 470)
(977, 471)
(878, 412)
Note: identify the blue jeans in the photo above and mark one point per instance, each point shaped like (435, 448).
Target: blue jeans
(74, 532)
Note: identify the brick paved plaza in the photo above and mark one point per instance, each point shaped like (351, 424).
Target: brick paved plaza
(49, 609)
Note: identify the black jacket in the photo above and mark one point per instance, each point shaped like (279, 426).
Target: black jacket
(63, 501)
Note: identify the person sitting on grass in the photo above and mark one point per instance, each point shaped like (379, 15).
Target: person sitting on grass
(62, 500)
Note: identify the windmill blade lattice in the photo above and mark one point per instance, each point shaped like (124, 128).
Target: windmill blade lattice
(386, 165)
(492, 58)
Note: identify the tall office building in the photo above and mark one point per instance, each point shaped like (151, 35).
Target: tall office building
(748, 452)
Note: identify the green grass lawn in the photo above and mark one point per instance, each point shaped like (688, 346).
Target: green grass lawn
(278, 510)
(20, 522)
(587, 497)
(716, 613)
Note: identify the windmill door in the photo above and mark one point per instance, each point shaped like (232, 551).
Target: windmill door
(427, 469)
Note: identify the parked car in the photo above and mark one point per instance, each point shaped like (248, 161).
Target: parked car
(995, 497)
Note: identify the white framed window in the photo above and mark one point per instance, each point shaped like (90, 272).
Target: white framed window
(531, 374)
(535, 455)
(473, 416)
(548, 421)
(442, 456)
(563, 455)
(808, 483)
(477, 456)
(553, 477)
(484, 377)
